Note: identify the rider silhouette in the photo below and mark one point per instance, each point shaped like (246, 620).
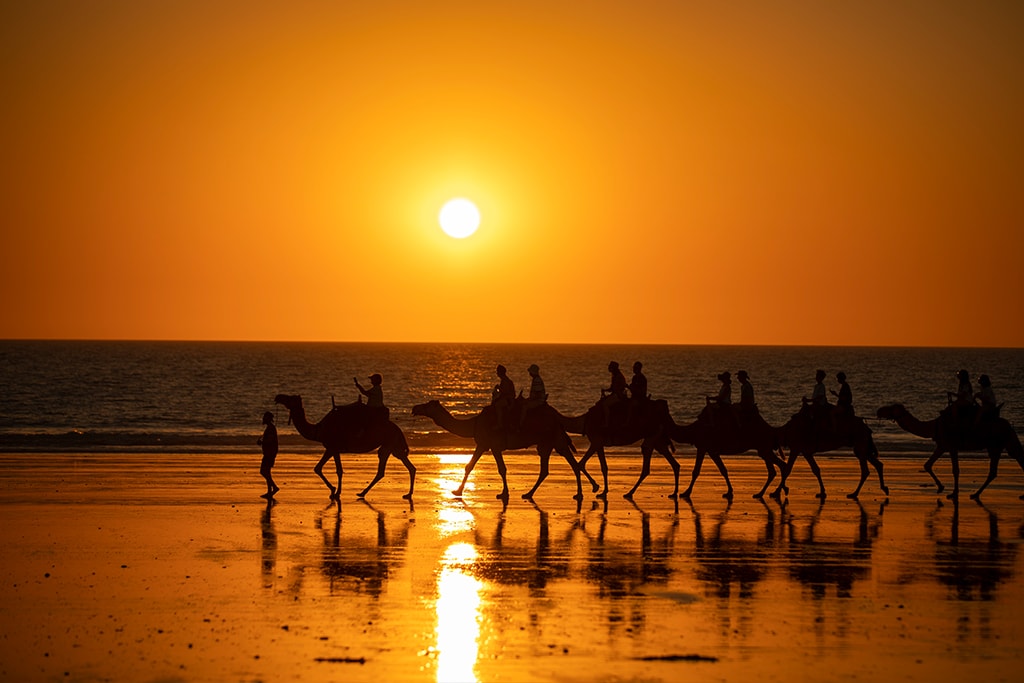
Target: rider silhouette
(748, 407)
(503, 396)
(616, 391)
(538, 394)
(723, 402)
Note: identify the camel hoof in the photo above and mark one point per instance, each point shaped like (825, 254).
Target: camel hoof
(628, 496)
(595, 488)
(852, 496)
(457, 493)
(578, 496)
(408, 496)
(758, 496)
(603, 495)
(727, 495)
(526, 496)
(674, 496)
(361, 494)
(820, 496)
(975, 496)
(953, 496)
(885, 490)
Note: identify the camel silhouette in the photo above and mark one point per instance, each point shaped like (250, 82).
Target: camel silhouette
(714, 440)
(350, 429)
(540, 427)
(806, 436)
(649, 423)
(992, 435)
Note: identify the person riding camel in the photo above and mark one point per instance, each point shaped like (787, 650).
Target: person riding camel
(962, 402)
(538, 394)
(637, 390)
(616, 391)
(747, 406)
(375, 394)
(721, 412)
(842, 412)
(504, 395)
(986, 397)
(818, 402)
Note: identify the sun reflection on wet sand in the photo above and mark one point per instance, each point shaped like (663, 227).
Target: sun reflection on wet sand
(458, 616)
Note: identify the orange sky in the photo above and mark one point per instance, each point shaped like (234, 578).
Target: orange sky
(676, 172)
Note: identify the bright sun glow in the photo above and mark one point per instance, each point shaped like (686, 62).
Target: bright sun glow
(459, 218)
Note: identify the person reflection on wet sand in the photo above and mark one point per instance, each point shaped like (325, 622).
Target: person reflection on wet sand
(268, 544)
(356, 565)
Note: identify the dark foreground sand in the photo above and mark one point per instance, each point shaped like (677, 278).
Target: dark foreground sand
(171, 568)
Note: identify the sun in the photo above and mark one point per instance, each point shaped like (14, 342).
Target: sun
(459, 218)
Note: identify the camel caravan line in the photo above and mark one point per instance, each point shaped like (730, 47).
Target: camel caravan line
(720, 429)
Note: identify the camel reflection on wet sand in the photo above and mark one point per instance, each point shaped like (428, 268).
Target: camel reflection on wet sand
(486, 589)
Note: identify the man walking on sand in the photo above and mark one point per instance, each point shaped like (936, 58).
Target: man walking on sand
(268, 442)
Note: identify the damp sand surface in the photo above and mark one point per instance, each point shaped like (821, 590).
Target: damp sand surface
(128, 567)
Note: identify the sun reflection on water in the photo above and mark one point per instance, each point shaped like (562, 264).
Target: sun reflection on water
(458, 616)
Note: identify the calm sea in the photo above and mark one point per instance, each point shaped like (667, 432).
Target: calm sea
(209, 397)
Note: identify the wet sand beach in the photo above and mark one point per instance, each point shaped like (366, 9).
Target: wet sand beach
(135, 567)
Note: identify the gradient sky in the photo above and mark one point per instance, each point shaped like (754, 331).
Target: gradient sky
(674, 172)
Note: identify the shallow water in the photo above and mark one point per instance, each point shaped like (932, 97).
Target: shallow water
(131, 568)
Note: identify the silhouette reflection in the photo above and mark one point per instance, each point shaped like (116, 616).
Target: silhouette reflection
(820, 564)
(268, 544)
(352, 563)
(971, 568)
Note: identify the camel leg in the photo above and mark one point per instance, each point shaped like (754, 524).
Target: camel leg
(876, 462)
(816, 471)
(993, 467)
(786, 470)
(566, 453)
(382, 461)
(769, 464)
(403, 457)
(954, 457)
(319, 470)
(473, 460)
(595, 487)
(604, 471)
(674, 464)
(928, 468)
(717, 459)
(545, 458)
(645, 469)
(863, 477)
(499, 461)
(698, 462)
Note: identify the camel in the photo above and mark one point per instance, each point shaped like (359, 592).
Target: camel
(715, 440)
(347, 429)
(804, 437)
(540, 427)
(649, 423)
(992, 435)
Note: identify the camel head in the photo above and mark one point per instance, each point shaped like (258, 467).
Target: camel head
(428, 409)
(891, 412)
(292, 403)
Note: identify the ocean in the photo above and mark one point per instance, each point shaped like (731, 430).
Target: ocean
(208, 397)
